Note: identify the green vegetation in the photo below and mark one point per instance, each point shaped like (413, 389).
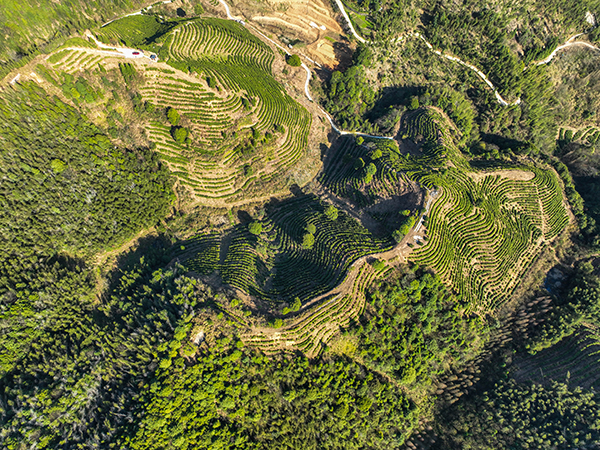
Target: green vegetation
(332, 212)
(134, 31)
(294, 60)
(128, 71)
(30, 28)
(346, 174)
(61, 342)
(255, 228)
(578, 304)
(173, 116)
(412, 327)
(349, 98)
(69, 192)
(485, 229)
(491, 232)
(300, 250)
(87, 194)
(520, 416)
(203, 135)
(393, 296)
(234, 61)
(252, 401)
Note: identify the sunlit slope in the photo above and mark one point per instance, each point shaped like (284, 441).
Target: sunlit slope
(485, 227)
(486, 230)
(246, 135)
(245, 119)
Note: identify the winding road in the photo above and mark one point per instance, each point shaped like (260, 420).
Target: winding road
(359, 38)
(487, 81)
(449, 57)
(131, 53)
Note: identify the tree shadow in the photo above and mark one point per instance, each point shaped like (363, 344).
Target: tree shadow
(501, 141)
(244, 217)
(392, 96)
(149, 253)
(343, 55)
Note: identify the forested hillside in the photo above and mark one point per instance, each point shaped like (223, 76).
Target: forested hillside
(66, 187)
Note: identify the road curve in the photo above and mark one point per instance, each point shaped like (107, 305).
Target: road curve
(306, 83)
(481, 75)
(569, 43)
(352, 30)
(305, 67)
(227, 11)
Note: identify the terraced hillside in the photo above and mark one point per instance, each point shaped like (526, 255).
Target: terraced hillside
(239, 116)
(274, 262)
(316, 325)
(485, 228)
(575, 358)
(238, 134)
(378, 192)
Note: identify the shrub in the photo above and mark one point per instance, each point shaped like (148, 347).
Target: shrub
(398, 236)
(414, 103)
(294, 60)
(360, 140)
(173, 117)
(255, 228)
(378, 265)
(180, 134)
(331, 212)
(371, 169)
(296, 305)
(57, 166)
(311, 228)
(128, 71)
(308, 241)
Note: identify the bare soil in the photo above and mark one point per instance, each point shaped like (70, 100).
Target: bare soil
(309, 26)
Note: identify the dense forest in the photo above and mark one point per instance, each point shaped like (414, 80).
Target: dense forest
(66, 186)
(518, 416)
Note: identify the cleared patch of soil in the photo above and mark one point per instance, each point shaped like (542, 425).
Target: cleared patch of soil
(518, 175)
(309, 26)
